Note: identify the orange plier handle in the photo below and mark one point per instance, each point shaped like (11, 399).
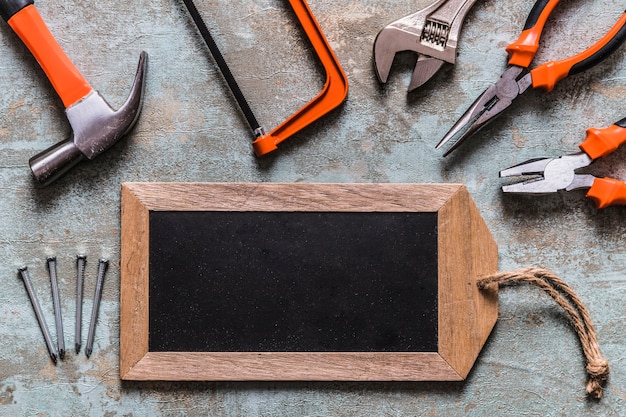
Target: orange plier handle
(599, 143)
(607, 192)
(547, 75)
(523, 50)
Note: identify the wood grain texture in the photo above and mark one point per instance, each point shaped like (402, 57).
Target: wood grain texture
(292, 366)
(466, 250)
(134, 291)
(292, 197)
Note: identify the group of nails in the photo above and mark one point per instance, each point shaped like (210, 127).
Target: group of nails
(51, 262)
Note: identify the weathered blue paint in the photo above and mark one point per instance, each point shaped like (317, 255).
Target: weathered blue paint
(190, 131)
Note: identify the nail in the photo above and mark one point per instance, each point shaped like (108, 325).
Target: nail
(52, 269)
(81, 260)
(102, 267)
(42, 322)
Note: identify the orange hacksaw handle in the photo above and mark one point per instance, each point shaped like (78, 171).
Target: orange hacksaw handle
(332, 95)
(68, 82)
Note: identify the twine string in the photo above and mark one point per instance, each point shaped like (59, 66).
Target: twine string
(597, 367)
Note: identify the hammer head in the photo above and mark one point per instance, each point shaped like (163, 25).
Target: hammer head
(95, 128)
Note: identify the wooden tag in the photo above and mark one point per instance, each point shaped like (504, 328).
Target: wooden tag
(270, 281)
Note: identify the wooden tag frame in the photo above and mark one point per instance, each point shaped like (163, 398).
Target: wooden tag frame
(466, 251)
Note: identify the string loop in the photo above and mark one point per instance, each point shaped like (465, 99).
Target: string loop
(597, 367)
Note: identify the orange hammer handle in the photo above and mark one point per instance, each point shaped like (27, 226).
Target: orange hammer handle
(68, 82)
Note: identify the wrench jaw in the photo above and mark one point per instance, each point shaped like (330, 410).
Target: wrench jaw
(392, 40)
(383, 57)
(425, 68)
(95, 126)
(400, 35)
(388, 42)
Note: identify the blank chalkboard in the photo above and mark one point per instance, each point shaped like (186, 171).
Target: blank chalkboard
(302, 282)
(293, 281)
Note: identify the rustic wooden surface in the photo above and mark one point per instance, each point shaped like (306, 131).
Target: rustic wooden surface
(191, 131)
(466, 250)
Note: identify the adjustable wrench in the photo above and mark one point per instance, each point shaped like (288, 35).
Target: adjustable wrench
(432, 32)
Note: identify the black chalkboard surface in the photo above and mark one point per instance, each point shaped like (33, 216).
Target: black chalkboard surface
(274, 281)
(293, 281)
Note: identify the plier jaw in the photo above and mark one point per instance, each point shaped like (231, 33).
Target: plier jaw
(499, 96)
(549, 175)
(553, 174)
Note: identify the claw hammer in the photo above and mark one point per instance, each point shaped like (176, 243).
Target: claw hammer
(95, 125)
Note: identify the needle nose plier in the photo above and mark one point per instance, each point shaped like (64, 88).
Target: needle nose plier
(518, 78)
(560, 173)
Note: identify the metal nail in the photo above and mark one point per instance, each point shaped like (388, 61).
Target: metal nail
(40, 318)
(81, 260)
(52, 269)
(102, 267)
